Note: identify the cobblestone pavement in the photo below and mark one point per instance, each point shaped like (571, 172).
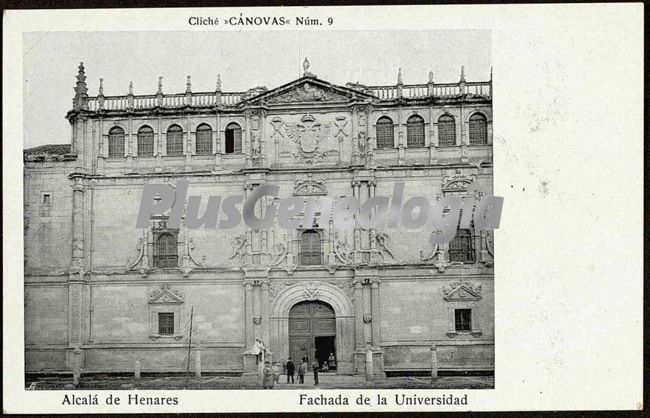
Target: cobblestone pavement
(326, 381)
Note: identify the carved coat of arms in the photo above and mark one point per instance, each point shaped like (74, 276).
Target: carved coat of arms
(308, 134)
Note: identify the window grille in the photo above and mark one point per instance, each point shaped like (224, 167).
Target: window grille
(463, 319)
(203, 140)
(461, 248)
(446, 131)
(310, 248)
(116, 142)
(385, 132)
(175, 140)
(165, 250)
(166, 323)
(477, 130)
(233, 139)
(145, 142)
(415, 132)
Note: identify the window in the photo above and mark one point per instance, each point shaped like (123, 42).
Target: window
(203, 140)
(233, 139)
(165, 250)
(446, 131)
(415, 131)
(385, 133)
(145, 142)
(116, 142)
(477, 129)
(461, 248)
(463, 319)
(310, 248)
(166, 323)
(175, 140)
(46, 199)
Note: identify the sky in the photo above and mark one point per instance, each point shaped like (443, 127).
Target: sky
(244, 60)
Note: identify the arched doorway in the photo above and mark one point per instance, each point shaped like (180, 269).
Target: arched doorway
(312, 331)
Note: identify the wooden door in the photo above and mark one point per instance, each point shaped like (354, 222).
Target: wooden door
(308, 320)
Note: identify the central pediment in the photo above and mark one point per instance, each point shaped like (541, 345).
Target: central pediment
(308, 90)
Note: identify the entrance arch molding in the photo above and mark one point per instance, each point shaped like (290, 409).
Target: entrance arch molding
(312, 291)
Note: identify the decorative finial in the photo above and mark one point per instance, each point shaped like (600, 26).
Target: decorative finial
(131, 88)
(80, 89)
(101, 86)
(160, 85)
(462, 73)
(305, 66)
(81, 76)
(218, 82)
(430, 76)
(189, 85)
(399, 76)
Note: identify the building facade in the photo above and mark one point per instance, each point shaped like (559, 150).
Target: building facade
(104, 293)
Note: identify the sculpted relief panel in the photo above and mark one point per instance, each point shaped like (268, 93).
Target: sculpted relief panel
(309, 138)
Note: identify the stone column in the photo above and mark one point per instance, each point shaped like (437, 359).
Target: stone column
(358, 314)
(257, 314)
(374, 303)
(266, 332)
(262, 139)
(367, 318)
(369, 365)
(136, 374)
(248, 327)
(373, 231)
(434, 363)
(353, 137)
(128, 148)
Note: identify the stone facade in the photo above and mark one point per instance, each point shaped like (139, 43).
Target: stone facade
(92, 281)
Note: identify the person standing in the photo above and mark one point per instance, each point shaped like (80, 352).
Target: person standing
(290, 369)
(314, 367)
(267, 375)
(302, 369)
(332, 362)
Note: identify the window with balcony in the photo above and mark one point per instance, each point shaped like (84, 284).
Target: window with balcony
(415, 132)
(203, 140)
(174, 140)
(165, 249)
(310, 248)
(233, 139)
(116, 142)
(477, 130)
(446, 131)
(145, 142)
(385, 133)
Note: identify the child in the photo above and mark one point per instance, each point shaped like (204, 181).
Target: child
(302, 369)
(276, 372)
(267, 376)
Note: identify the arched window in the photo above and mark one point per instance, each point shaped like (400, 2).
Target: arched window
(116, 142)
(415, 131)
(233, 139)
(175, 140)
(385, 133)
(204, 140)
(145, 142)
(446, 131)
(165, 250)
(310, 248)
(477, 129)
(461, 247)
